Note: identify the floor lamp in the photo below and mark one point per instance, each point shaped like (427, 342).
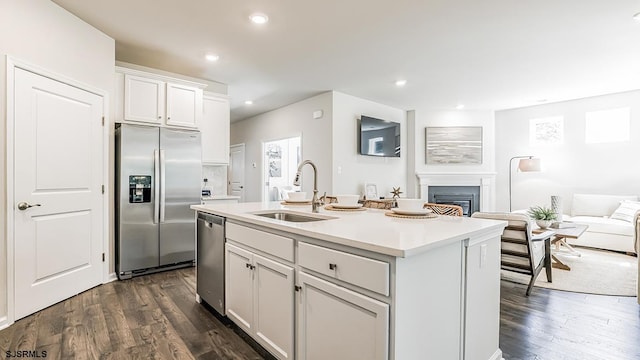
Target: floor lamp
(526, 164)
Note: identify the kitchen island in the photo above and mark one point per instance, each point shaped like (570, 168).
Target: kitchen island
(362, 285)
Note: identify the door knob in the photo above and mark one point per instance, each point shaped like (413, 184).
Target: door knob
(24, 206)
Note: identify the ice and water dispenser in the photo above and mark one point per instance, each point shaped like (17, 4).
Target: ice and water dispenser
(139, 188)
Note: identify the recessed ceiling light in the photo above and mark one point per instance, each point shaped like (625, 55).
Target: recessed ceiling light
(212, 57)
(259, 18)
(460, 106)
(401, 82)
(248, 102)
(637, 16)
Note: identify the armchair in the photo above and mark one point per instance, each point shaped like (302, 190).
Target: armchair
(521, 251)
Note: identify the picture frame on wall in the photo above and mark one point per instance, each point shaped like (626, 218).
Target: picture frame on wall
(453, 145)
(370, 191)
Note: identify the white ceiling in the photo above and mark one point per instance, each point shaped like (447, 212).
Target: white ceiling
(489, 54)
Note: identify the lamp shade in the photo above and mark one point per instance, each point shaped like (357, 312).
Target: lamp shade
(529, 165)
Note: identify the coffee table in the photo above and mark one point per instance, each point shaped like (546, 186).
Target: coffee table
(558, 239)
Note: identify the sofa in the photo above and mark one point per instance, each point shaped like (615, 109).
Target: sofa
(612, 219)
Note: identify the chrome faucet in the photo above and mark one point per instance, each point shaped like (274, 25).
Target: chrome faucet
(315, 203)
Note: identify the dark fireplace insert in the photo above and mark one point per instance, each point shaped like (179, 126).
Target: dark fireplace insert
(467, 197)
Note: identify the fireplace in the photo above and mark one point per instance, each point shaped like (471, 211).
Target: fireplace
(467, 197)
(482, 182)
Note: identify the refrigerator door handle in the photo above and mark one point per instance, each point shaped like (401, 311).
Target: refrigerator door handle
(156, 186)
(162, 185)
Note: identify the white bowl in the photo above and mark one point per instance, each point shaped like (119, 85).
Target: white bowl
(348, 199)
(410, 204)
(298, 195)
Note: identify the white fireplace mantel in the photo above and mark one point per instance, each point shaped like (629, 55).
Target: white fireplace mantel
(486, 182)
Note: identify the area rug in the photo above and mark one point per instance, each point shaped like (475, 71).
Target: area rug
(595, 272)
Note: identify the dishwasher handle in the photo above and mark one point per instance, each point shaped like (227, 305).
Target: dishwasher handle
(211, 220)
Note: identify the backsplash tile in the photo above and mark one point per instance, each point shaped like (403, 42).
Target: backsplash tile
(217, 176)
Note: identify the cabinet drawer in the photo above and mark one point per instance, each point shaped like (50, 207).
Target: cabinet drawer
(275, 245)
(357, 270)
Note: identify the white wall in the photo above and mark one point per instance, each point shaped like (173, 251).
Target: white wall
(574, 166)
(43, 34)
(292, 120)
(351, 170)
(423, 118)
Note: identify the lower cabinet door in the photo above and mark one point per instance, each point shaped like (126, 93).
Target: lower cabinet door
(239, 286)
(274, 306)
(340, 324)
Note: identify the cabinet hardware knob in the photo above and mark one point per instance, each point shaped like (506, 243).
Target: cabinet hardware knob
(159, 117)
(333, 266)
(247, 265)
(297, 288)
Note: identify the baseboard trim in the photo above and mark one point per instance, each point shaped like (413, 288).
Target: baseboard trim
(497, 355)
(4, 322)
(111, 277)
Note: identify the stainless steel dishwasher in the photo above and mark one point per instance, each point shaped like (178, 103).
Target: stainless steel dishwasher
(210, 260)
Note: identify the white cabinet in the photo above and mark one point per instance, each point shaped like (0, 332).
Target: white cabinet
(143, 99)
(215, 129)
(184, 105)
(361, 271)
(259, 299)
(354, 304)
(239, 286)
(340, 324)
(482, 300)
(159, 100)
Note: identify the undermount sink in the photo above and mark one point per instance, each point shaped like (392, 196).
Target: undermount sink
(292, 216)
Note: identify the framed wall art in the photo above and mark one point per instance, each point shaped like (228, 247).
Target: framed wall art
(370, 191)
(453, 145)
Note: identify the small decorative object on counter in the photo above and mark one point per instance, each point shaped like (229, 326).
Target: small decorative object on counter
(542, 215)
(396, 192)
(328, 199)
(370, 191)
(380, 204)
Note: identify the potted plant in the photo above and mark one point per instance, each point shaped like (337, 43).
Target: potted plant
(543, 216)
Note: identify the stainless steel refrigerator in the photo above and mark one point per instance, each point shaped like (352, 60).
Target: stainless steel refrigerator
(158, 173)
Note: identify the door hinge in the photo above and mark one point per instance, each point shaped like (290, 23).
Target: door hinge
(297, 287)
(103, 189)
(103, 121)
(103, 257)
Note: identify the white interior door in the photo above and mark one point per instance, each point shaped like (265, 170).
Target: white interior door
(58, 202)
(236, 171)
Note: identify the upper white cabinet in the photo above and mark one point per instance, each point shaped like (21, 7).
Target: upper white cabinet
(155, 99)
(143, 99)
(184, 105)
(215, 129)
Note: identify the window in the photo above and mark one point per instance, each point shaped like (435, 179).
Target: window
(376, 146)
(607, 126)
(546, 131)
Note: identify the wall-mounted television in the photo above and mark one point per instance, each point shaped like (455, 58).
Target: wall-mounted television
(379, 137)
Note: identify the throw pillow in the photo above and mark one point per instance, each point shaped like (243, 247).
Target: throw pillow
(626, 211)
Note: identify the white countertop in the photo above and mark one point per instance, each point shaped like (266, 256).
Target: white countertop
(221, 197)
(368, 230)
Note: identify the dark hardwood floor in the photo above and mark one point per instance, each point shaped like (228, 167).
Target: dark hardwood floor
(148, 317)
(156, 317)
(560, 325)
